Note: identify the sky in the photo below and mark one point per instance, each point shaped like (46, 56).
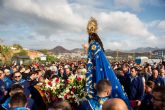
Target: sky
(45, 24)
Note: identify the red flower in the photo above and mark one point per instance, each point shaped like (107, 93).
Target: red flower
(66, 95)
(73, 99)
(79, 78)
(57, 80)
(50, 83)
(73, 89)
(67, 81)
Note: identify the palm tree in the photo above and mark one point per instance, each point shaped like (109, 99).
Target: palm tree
(6, 53)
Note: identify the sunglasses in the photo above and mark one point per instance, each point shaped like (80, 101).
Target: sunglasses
(17, 76)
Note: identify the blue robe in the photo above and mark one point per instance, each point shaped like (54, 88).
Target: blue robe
(99, 68)
(30, 104)
(94, 103)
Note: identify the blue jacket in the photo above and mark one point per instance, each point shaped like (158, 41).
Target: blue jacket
(19, 108)
(30, 104)
(8, 82)
(158, 81)
(94, 103)
(25, 84)
(134, 88)
(2, 90)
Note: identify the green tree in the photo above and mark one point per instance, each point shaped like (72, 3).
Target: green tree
(21, 53)
(6, 53)
(17, 46)
(51, 58)
(44, 51)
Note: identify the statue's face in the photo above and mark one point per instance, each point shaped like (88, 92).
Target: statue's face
(91, 28)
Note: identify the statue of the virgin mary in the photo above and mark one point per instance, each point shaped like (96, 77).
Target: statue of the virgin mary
(98, 66)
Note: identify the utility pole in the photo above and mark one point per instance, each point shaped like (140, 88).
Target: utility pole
(134, 55)
(117, 54)
(150, 54)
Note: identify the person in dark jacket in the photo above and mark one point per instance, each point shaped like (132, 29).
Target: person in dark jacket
(17, 79)
(134, 87)
(147, 100)
(3, 91)
(156, 78)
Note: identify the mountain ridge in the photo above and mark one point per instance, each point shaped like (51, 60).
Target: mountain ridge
(61, 49)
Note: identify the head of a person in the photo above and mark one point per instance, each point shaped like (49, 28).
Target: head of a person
(155, 73)
(2, 74)
(41, 79)
(61, 71)
(104, 87)
(7, 72)
(162, 72)
(159, 98)
(79, 70)
(39, 73)
(18, 100)
(33, 75)
(146, 69)
(16, 88)
(114, 104)
(149, 68)
(17, 76)
(14, 68)
(125, 67)
(63, 105)
(134, 71)
(67, 71)
(149, 86)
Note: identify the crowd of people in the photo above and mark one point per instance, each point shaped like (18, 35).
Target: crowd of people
(143, 84)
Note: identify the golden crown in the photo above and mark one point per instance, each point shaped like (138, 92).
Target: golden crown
(92, 26)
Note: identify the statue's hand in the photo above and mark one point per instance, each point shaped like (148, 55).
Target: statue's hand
(85, 46)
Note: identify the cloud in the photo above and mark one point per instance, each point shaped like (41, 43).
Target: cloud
(133, 4)
(55, 12)
(161, 25)
(46, 24)
(125, 23)
(157, 27)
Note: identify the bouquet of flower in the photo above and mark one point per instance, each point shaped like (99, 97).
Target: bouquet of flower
(71, 90)
(51, 88)
(74, 91)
